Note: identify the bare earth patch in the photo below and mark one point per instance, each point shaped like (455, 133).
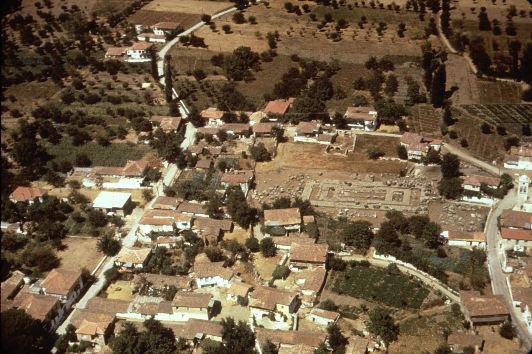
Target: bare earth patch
(188, 6)
(79, 253)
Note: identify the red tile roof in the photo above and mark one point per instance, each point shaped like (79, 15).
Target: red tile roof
(60, 281)
(36, 305)
(24, 194)
(115, 52)
(280, 106)
(477, 305)
(268, 298)
(477, 180)
(192, 300)
(313, 339)
(163, 202)
(308, 253)
(282, 217)
(166, 25)
(212, 269)
(140, 46)
(360, 113)
(518, 219)
(264, 128)
(516, 234)
(234, 178)
(308, 127)
(167, 122)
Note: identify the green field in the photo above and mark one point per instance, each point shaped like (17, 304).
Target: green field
(378, 285)
(112, 155)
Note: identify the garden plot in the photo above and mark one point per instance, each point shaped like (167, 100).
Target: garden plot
(511, 116)
(425, 119)
(378, 285)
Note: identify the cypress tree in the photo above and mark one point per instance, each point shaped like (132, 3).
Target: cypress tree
(437, 90)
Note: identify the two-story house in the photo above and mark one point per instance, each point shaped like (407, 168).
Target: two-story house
(241, 178)
(273, 303)
(93, 326)
(364, 118)
(305, 255)
(516, 230)
(132, 258)
(66, 285)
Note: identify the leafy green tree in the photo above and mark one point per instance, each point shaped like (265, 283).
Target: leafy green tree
(358, 234)
(450, 166)
(402, 152)
(108, 245)
(450, 188)
(337, 341)
(391, 86)
(507, 330)
(443, 349)
(328, 305)
(62, 343)
(267, 247)
(237, 338)
(269, 348)
(238, 207)
(214, 254)
(437, 89)
(388, 234)
(252, 244)
(155, 339)
(259, 153)
(97, 218)
(23, 334)
(382, 324)
(281, 272)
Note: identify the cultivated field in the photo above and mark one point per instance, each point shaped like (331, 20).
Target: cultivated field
(510, 116)
(299, 34)
(425, 119)
(188, 6)
(375, 284)
(151, 17)
(79, 253)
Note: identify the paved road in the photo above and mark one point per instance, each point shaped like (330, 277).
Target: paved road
(463, 155)
(499, 282)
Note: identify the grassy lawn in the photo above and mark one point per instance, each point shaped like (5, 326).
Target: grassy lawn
(112, 155)
(378, 285)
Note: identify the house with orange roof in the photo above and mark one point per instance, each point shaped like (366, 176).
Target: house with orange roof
(281, 221)
(278, 107)
(166, 123)
(483, 309)
(139, 52)
(28, 195)
(241, 178)
(66, 285)
(267, 302)
(212, 274)
(465, 239)
(45, 308)
(308, 255)
(93, 326)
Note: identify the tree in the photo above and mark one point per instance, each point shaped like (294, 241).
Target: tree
(239, 18)
(97, 218)
(437, 89)
(337, 341)
(206, 18)
(525, 73)
(108, 245)
(388, 235)
(155, 339)
(450, 188)
(62, 343)
(328, 305)
(259, 153)
(214, 254)
(252, 244)
(443, 349)
(23, 334)
(237, 338)
(391, 85)
(82, 160)
(375, 153)
(269, 348)
(484, 23)
(450, 166)
(267, 247)
(382, 324)
(226, 28)
(238, 207)
(402, 153)
(358, 233)
(507, 330)
(281, 272)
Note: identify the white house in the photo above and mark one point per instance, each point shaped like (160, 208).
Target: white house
(522, 299)
(151, 37)
(132, 258)
(113, 202)
(323, 317)
(66, 285)
(165, 28)
(465, 239)
(212, 116)
(139, 52)
(364, 118)
(308, 132)
(418, 146)
(516, 239)
(473, 182)
(212, 274)
(519, 158)
(187, 305)
(159, 220)
(167, 242)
